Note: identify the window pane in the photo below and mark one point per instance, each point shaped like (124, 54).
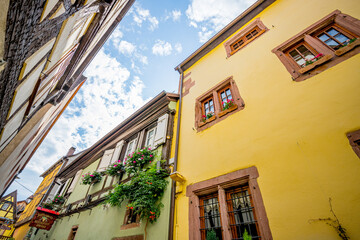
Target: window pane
(297, 57)
(341, 38)
(212, 109)
(332, 32)
(223, 95)
(323, 37)
(228, 93)
(306, 52)
(210, 217)
(211, 102)
(254, 32)
(249, 36)
(241, 213)
(331, 43)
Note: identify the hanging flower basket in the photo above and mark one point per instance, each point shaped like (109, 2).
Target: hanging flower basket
(228, 109)
(115, 169)
(135, 161)
(206, 119)
(91, 178)
(58, 200)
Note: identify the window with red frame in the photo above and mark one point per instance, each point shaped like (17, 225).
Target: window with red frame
(225, 95)
(335, 37)
(208, 106)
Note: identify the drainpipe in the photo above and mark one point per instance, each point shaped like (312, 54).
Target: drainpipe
(173, 188)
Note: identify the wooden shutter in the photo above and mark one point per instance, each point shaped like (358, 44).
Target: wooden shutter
(75, 180)
(105, 160)
(160, 135)
(117, 151)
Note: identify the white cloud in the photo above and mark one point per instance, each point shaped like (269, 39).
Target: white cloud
(178, 47)
(116, 35)
(203, 13)
(162, 48)
(108, 96)
(125, 47)
(141, 15)
(174, 15)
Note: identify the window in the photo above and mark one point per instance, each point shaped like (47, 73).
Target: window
(225, 95)
(354, 140)
(219, 101)
(208, 106)
(326, 41)
(5, 206)
(334, 36)
(229, 205)
(210, 216)
(302, 53)
(244, 37)
(73, 232)
(131, 219)
(241, 213)
(150, 136)
(131, 147)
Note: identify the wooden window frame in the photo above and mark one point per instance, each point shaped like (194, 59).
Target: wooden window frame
(309, 36)
(71, 234)
(307, 46)
(147, 135)
(220, 184)
(127, 225)
(219, 114)
(353, 138)
(241, 35)
(336, 27)
(202, 224)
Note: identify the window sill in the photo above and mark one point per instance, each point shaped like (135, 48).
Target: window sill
(201, 123)
(130, 225)
(347, 48)
(226, 111)
(322, 60)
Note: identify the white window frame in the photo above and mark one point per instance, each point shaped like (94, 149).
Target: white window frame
(151, 145)
(128, 150)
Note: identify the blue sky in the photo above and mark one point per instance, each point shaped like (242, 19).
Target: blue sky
(135, 64)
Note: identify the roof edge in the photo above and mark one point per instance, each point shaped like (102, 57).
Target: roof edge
(224, 33)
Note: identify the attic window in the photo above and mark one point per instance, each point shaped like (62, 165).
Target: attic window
(244, 37)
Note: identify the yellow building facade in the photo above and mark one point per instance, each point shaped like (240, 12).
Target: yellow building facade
(281, 160)
(7, 215)
(22, 225)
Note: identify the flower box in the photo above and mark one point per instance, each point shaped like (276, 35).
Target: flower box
(202, 123)
(226, 111)
(316, 63)
(347, 48)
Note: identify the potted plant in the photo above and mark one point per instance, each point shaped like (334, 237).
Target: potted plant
(228, 106)
(48, 205)
(211, 235)
(91, 178)
(58, 200)
(135, 161)
(116, 169)
(347, 46)
(316, 61)
(207, 118)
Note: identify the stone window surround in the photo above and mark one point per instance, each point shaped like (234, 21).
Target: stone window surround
(354, 136)
(345, 21)
(213, 92)
(220, 184)
(256, 23)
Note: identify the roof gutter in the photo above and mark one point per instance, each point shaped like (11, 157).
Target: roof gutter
(173, 188)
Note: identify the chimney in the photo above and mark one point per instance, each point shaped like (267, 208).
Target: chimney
(70, 152)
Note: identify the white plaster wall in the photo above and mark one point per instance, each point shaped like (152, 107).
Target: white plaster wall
(50, 4)
(35, 58)
(24, 90)
(12, 126)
